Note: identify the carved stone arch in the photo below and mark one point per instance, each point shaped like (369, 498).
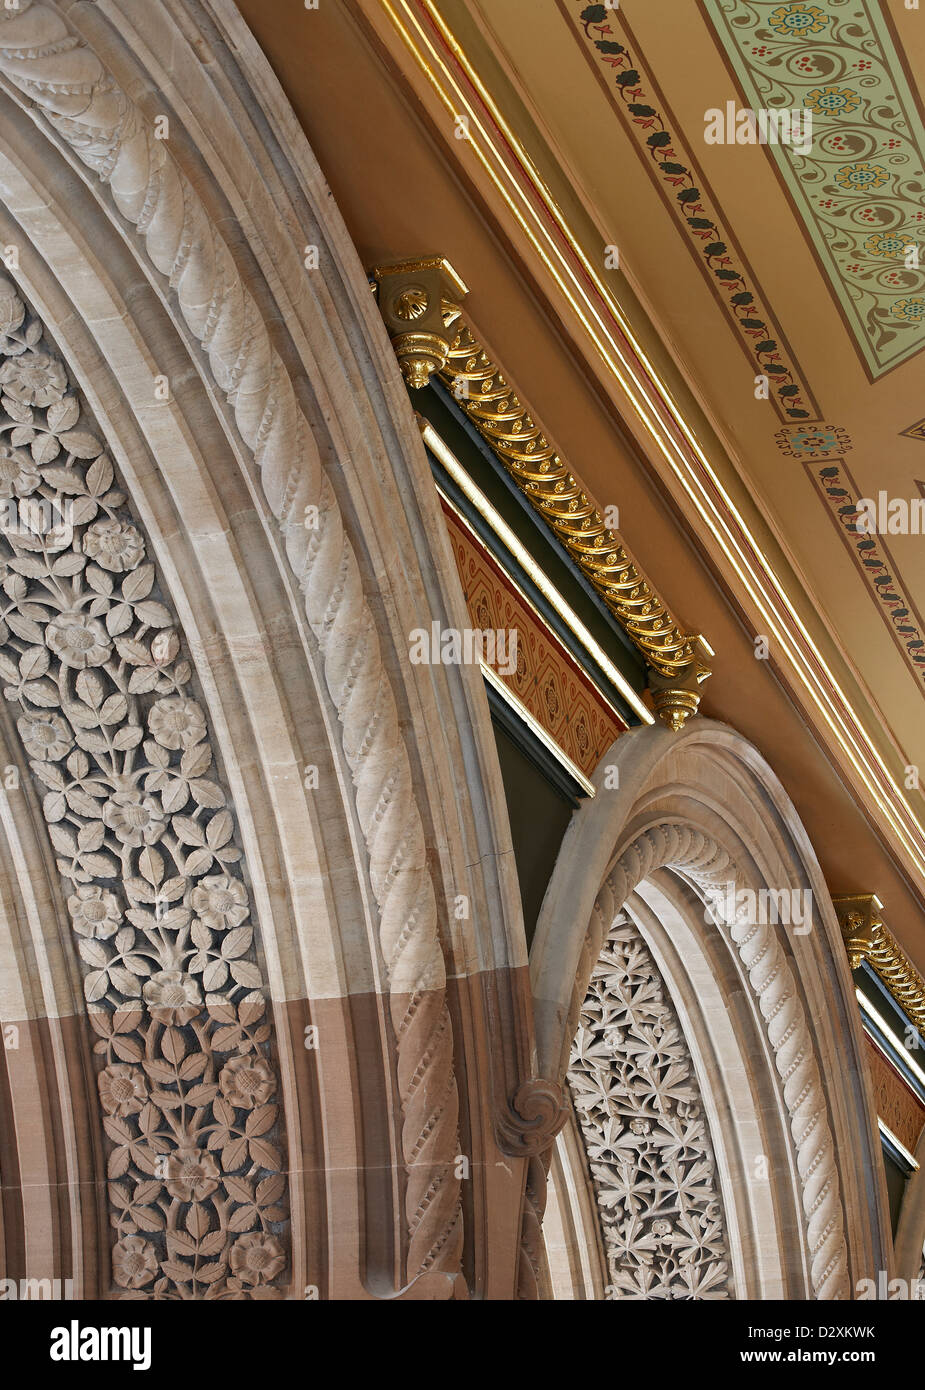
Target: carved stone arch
(185, 259)
(767, 1012)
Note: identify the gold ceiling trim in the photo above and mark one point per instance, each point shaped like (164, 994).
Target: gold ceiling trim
(551, 488)
(439, 448)
(443, 344)
(867, 938)
(626, 363)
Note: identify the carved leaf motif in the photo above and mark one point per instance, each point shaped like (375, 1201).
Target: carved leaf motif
(91, 655)
(648, 1148)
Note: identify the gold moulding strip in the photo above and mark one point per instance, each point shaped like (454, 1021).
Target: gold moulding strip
(867, 938)
(549, 486)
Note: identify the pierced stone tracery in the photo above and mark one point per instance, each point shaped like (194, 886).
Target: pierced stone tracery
(642, 1122)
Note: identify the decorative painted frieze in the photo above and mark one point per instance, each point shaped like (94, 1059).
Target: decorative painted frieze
(858, 189)
(671, 164)
(875, 564)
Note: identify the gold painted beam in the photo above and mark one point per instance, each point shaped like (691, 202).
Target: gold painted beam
(868, 939)
(677, 661)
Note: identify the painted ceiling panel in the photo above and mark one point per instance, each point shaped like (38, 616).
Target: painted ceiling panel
(859, 187)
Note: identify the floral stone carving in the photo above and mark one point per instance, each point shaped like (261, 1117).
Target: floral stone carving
(92, 661)
(77, 100)
(641, 1118)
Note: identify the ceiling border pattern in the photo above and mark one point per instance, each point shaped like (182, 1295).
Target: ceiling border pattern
(811, 440)
(856, 193)
(875, 564)
(686, 192)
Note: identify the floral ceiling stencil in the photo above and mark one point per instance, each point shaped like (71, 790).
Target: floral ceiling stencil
(672, 166)
(642, 1122)
(859, 191)
(92, 663)
(872, 558)
(812, 441)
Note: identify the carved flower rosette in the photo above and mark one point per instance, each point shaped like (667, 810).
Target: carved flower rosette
(92, 662)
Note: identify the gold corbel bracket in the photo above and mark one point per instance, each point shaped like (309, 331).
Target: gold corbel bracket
(867, 938)
(676, 697)
(419, 302)
(860, 921)
(415, 299)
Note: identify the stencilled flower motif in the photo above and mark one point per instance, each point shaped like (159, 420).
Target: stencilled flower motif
(36, 378)
(816, 441)
(798, 20)
(176, 722)
(220, 902)
(909, 310)
(861, 175)
(123, 1090)
(257, 1257)
(192, 1174)
(134, 1262)
(78, 640)
(247, 1081)
(94, 912)
(46, 736)
(19, 474)
(887, 244)
(832, 101)
(171, 989)
(134, 818)
(114, 545)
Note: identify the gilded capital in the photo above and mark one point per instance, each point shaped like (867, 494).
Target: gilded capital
(676, 697)
(860, 922)
(414, 296)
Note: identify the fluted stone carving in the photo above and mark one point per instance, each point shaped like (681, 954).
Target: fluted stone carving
(55, 69)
